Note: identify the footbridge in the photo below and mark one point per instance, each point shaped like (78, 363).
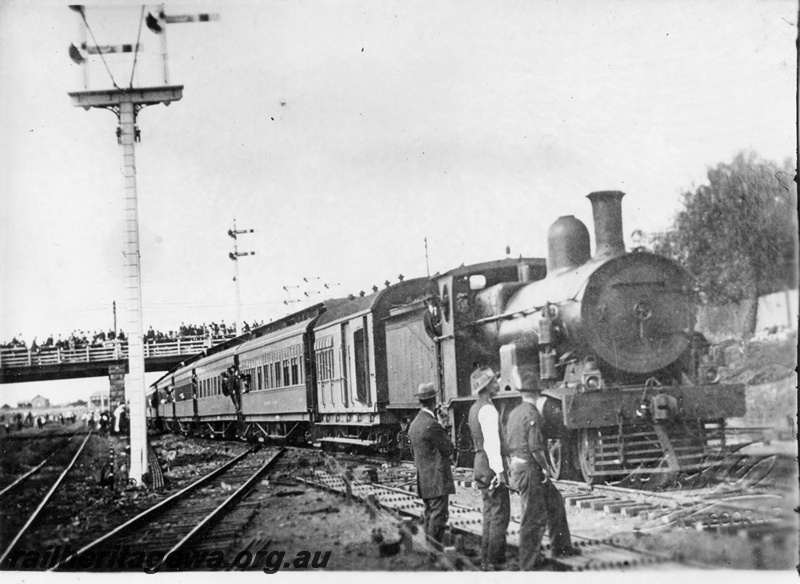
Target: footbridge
(19, 365)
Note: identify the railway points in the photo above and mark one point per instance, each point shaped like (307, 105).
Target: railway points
(381, 495)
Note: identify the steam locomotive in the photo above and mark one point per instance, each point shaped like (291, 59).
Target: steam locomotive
(627, 384)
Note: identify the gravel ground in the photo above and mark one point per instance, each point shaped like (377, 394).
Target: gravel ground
(291, 519)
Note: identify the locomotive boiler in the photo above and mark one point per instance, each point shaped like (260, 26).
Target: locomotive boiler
(627, 384)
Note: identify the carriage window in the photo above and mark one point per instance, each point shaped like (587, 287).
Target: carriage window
(302, 369)
(295, 372)
(286, 378)
(278, 374)
(260, 378)
(325, 364)
(477, 282)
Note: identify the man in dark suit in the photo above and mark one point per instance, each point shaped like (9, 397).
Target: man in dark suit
(432, 450)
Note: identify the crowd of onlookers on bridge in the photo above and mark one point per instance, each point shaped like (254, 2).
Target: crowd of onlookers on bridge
(82, 339)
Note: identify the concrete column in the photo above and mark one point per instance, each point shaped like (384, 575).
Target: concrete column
(134, 383)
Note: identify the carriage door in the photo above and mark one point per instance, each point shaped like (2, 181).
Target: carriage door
(361, 349)
(172, 397)
(241, 385)
(345, 364)
(194, 396)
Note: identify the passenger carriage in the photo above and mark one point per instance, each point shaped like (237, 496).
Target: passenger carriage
(217, 412)
(352, 385)
(277, 373)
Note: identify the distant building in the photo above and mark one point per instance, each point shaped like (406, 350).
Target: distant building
(40, 402)
(100, 400)
(5, 407)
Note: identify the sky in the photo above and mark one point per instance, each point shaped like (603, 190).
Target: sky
(347, 133)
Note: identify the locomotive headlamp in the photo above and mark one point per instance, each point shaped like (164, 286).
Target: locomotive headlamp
(592, 382)
(709, 374)
(592, 378)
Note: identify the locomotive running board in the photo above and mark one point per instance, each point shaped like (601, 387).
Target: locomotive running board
(605, 408)
(349, 441)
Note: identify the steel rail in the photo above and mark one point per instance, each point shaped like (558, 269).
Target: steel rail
(36, 468)
(212, 517)
(44, 501)
(147, 513)
(604, 554)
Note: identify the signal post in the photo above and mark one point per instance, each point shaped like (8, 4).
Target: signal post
(126, 103)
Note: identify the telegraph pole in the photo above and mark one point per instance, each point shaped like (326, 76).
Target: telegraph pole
(126, 104)
(235, 255)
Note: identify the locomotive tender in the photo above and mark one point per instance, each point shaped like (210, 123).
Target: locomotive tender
(627, 385)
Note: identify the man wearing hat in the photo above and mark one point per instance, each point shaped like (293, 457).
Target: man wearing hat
(542, 504)
(433, 315)
(489, 470)
(432, 450)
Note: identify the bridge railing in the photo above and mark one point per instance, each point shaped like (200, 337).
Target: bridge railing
(110, 351)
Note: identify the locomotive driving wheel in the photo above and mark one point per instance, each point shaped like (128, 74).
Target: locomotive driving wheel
(561, 458)
(588, 439)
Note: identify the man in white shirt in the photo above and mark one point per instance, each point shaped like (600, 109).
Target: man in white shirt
(489, 469)
(118, 416)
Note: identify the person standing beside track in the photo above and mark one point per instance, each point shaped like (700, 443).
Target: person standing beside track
(118, 412)
(542, 504)
(489, 469)
(432, 450)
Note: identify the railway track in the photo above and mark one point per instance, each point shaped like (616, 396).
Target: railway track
(740, 491)
(182, 522)
(19, 481)
(45, 481)
(465, 525)
(162, 533)
(738, 494)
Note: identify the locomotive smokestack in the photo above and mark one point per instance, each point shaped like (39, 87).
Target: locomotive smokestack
(607, 212)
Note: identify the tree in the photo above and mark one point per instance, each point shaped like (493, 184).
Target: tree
(738, 233)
